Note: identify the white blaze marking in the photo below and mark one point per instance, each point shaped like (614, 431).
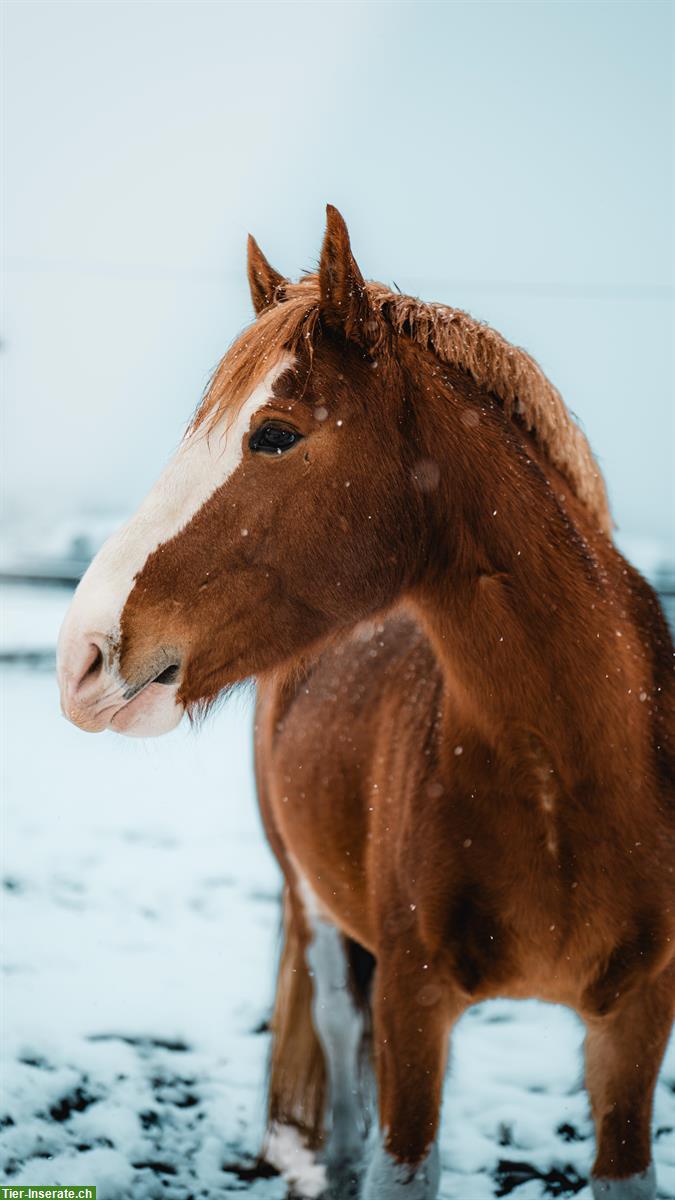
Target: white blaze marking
(203, 462)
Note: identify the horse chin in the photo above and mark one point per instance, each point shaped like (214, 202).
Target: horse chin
(150, 714)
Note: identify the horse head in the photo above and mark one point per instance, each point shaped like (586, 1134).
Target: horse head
(286, 514)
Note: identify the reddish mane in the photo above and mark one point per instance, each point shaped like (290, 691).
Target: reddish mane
(457, 340)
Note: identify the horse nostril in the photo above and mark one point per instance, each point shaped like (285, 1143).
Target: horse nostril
(169, 675)
(92, 668)
(95, 665)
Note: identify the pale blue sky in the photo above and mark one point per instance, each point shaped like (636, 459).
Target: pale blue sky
(514, 159)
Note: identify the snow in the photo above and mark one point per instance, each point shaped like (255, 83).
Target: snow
(29, 617)
(139, 905)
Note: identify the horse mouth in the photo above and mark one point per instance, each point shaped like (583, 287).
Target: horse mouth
(146, 709)
(153, 709)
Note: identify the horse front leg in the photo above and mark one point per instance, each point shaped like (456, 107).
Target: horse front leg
(339, 1025)
(623, 1054)
(411, 1020)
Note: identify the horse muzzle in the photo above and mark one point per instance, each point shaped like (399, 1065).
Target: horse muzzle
(95, 696)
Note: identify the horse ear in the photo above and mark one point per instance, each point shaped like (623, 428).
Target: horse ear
(263, 280)
(345, 305)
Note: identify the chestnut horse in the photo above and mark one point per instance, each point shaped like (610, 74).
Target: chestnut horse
(385, 513)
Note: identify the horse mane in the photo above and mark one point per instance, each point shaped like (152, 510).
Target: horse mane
(457, 339)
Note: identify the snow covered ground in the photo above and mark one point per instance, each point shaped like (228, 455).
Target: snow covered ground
(139, 908)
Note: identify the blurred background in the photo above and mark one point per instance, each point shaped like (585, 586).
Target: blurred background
(513, 159)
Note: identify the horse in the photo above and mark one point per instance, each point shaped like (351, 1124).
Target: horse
(384, 513)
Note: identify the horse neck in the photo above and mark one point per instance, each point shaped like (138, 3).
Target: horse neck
(519, 592)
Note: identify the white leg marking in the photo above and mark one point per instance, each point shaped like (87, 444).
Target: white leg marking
(387, 1179)
(340, 1029)
(285, 1150)
(636, 1187)
(339, 1026)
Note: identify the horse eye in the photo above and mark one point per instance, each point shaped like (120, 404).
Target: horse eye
(272, 439)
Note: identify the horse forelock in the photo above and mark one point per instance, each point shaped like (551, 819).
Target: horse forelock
(280, 329)
(458, 340)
